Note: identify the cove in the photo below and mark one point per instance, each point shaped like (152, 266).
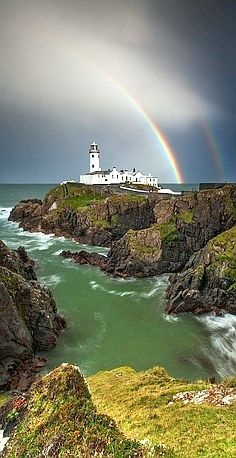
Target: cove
(115, 322)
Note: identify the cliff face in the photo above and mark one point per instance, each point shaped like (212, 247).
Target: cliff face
(208, 282)
(182, 226)
(89, 215)
(148, 236)
(29, 319)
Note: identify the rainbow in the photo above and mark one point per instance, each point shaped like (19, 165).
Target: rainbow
(157, 132)
(169, 153)
(214, 150)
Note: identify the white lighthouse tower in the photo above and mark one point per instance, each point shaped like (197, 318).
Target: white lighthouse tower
(94, 158)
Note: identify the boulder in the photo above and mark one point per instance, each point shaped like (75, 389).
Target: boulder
(29, 319)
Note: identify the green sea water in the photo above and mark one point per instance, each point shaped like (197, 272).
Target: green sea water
(115, 322)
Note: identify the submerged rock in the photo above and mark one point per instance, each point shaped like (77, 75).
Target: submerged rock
(29, 319)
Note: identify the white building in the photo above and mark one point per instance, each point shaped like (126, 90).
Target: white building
(112, 176)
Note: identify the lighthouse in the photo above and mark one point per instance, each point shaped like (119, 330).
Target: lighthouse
(94, 158)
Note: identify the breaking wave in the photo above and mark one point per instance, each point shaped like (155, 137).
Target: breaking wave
(223, 340)
(5, 212)
(51, 280)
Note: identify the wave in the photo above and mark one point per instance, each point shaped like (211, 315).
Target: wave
(5, 212)
(223, 341)
(140, 295)
(51, 280)
(171, 318)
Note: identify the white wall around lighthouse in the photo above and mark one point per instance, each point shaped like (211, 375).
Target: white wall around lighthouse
(114, 176)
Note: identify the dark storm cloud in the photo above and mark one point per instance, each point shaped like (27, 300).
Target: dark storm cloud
(66, 67)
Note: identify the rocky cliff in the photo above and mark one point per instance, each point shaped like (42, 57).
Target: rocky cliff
(182, 226)
(148, 236)
(208, 282)
(89, 214)
(29, 319)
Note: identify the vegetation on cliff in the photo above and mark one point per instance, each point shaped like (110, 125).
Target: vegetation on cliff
(61, 420)
(157, 416)
(209, 279)
(142, 405)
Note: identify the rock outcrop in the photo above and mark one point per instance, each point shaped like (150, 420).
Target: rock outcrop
(208, 282)
(148, 236)
(29, 319)
(59, 419)
(182, 226)
(87, 214)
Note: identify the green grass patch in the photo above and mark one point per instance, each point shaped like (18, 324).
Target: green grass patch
(139, 402)
(223, 251)
(168, 232)
(186, 217)
(3, 399)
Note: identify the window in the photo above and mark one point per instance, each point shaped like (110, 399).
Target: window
(92, 166)
(117, 176)
(92, 155)
(112, 176)
(122, 178)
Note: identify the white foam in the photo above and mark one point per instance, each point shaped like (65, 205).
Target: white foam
(51, 280)
(223, 340)
(171, 318)
(5, 212)
(3, 440)
(57, 253)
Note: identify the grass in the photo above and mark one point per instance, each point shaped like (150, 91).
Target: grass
(3, 399)
(138, 401)
(61, 421)
(168, 232)
(223, 249)
(186, 217)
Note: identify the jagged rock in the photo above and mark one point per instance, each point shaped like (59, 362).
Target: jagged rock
(84, 257)
(59, 415)
(208, 282)
(29, 319)
(183, 226)
(89, 214)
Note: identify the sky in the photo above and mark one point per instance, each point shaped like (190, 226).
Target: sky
(77, 71)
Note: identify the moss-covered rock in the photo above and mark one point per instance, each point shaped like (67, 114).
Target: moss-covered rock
(90, 214)
(208, 282)
(61, 420)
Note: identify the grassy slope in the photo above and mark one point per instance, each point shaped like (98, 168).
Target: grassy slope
(138, 401)
(61, 421)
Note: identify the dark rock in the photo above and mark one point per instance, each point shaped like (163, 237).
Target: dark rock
(183, 226)
(84, 257)
(208, 283)
(29, 319)
(98, 223)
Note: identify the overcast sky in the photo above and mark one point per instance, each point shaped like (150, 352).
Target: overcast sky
(69, 68)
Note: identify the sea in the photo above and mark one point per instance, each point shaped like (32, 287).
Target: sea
(114, 322)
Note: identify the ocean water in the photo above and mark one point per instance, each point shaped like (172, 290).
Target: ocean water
(115, 322)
